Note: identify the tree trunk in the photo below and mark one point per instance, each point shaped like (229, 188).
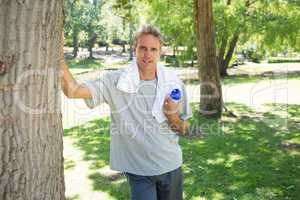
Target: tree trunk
(106, 47)
(221, 61)
(31, 134)
(223, 67)
(211, 93)
(91, 44)
(123, 48)
(75, 44)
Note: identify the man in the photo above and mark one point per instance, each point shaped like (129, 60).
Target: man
(145, 122)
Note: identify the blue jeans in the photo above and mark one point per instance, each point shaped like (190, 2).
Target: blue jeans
(166, 186)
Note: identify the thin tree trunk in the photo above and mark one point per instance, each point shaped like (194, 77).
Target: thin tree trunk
(123, 48)
(211, 93)
(91, 44)
(221, 61)
(106, 47)
(75, 44)
(31, 145)
(232, 46)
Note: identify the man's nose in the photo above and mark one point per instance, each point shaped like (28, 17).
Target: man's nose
(147, 53)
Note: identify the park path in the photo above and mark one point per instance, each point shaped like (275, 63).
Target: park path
(75, 112)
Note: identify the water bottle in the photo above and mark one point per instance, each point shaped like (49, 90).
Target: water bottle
(175, 95)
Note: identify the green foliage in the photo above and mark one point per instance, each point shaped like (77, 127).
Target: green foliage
(172, 60)
(267, 25)
(175, 19)
(82, 18)
(252, 54)
(73, 19)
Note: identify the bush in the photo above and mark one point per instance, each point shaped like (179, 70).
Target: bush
(172, 60)
(68, 42)
(252, 55)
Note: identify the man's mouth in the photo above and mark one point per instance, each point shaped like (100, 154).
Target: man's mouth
(147, 61)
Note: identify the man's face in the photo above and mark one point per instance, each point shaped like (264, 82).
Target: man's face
(147, 52)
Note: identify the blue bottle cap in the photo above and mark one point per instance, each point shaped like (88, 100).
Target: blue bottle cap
(175, 94)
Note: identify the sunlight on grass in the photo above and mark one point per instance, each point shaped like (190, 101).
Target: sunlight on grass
(245, 157)
(78, 66)
(239, 79)
(75, 197)
(69, 164)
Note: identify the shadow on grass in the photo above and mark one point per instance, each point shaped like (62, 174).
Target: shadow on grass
(244, 158)
(93, 139)
(235, 158)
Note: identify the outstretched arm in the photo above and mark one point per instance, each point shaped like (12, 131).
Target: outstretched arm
(70, 86)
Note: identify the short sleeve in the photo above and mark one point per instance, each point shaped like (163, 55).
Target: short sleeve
(99, 89)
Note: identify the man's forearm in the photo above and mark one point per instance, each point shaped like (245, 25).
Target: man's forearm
(177, 124)
(70, 86)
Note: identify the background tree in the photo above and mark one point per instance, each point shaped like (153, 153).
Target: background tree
(177, 27)
(266, 25)
(73, 22)
(239, 26)
(92, 23)
(31, 145)
(211, 93)
(128, 11)
(83, 24)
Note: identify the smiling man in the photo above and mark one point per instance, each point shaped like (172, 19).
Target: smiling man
(145, 122)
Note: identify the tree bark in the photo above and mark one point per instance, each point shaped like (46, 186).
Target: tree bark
(211, 93)
(31, 145)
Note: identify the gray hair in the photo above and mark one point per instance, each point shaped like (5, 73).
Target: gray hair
(148, 30)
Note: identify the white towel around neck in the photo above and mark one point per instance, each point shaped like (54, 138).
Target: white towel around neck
(166, 82)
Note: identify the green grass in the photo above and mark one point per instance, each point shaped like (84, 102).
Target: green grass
(69, 164)
(80, 66)
(253, 79)
(254, 156)
(239, 79)
(75, 197)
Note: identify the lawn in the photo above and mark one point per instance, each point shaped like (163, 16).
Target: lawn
(250, 156)
(78, 66)
(240, 79)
